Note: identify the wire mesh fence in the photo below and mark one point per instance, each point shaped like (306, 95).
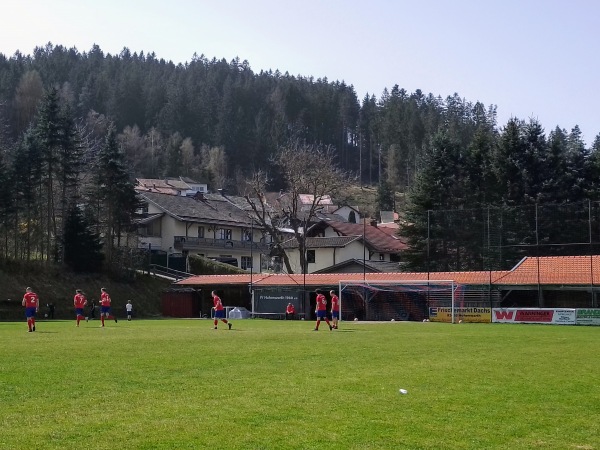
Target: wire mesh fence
(497, 238)
(519, 238)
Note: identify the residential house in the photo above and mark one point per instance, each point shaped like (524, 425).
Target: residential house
(331, 243)
(210, 225)
(181, 186)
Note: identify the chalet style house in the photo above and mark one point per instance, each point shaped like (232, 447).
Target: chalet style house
(210, 225)
(180, 218)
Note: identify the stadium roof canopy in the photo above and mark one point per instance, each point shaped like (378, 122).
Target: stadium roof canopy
(549, 270)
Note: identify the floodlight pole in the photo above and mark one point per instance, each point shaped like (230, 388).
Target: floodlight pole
(252, 264)
(251, 251)
(304, 265)
(364, 248)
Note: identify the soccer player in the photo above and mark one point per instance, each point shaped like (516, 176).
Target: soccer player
(219, 310)
(129, 308)
(79, 301)
(290, 312)
(105, 306)
(335, 309)
(321, 311)
(31, 302)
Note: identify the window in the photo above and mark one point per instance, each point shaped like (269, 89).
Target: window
(247, 235)
(224, 233)
(310, 256)
(246, 262)
(381, 257)
(200, 232)
(153, 229)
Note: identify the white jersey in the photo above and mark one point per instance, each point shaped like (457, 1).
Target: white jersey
(129, 307)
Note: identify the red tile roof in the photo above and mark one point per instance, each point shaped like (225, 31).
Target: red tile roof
(379, 240)
(572, 270)
(551, 270)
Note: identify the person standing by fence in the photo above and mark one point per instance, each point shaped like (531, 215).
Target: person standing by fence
(31, 302)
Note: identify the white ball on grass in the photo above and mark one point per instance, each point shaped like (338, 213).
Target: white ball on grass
(403, 391)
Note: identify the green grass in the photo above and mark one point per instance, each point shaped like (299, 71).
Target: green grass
(179, 384)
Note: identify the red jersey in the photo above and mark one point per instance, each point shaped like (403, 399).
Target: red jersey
(218, 303)
(335, 303)
(31, 300)
(79, 301)
(321, 302)
(290, 309)
(105, 299)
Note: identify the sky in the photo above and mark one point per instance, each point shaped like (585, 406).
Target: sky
(532, 58)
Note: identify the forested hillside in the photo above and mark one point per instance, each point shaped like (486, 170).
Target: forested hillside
(78, 126)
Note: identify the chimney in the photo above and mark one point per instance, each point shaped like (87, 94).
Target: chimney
(374, 223)
(221, 191)
(198, 196)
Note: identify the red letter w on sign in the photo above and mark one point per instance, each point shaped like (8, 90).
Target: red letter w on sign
(502, 315)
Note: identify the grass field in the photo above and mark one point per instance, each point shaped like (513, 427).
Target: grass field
(179, 384)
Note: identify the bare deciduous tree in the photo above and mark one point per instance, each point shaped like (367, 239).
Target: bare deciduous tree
(306, 169)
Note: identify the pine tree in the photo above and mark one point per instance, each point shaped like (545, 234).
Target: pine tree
(49, 136)
(82, 247)
(115, 194)
(385, 196)
(6, 206)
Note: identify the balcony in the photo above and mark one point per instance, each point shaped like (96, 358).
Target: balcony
(196, 243)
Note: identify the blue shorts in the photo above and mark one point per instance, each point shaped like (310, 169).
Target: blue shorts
(30, 312)
(219, 313)
(79, 311)
(105, 310)
(321, 314)
(335, 314)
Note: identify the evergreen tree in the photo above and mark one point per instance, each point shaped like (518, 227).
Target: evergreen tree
(28, 197)
(82, 247)
(115, 194)
(594, 170)
(576, 166)
(385, 197)
(49, 136)
(69, 164)
(437, 186)
(174, 156)
(555, 186)
(6, 206)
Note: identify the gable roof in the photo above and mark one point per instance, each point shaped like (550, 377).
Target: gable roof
(322, 242)
(195, 209)
(378, 240)
(369, 265)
